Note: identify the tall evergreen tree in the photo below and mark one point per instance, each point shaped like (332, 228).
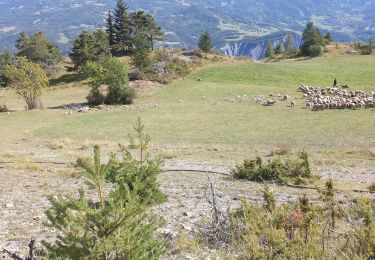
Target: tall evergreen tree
(122, 29)
(141, 52)
(313, 41)
(116, 222)
(289, 42)
(144, 25)
(110, 30)
(81, 53)
(205, 42)
(38, 49)
(101, 44)
(89, 47)
(279, 49)
(5, 59)
(270, 52)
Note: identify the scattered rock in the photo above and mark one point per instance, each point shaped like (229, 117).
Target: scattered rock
(186, 227)
(9, 205)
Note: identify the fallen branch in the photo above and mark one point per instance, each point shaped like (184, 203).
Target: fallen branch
(12, 255)
(37, 162)
(190, 170)
(31, 255)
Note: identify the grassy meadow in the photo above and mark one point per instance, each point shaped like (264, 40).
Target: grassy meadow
(183, 118)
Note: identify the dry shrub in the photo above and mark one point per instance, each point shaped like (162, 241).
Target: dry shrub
(326, 229)
(59, 144)
(3, 108)
(283, 149)
(371, 187)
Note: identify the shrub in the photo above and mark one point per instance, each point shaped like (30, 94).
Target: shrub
(299, 230)
(177, 69)
(3, 108)
(275, 170)
(109, 82)
(198, 53)
(117, 224)
(256, 170)
(366, 50)
(28, 79)
(315, 50)
(182, 69)
(371, 187)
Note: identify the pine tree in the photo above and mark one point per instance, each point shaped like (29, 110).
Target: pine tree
(38, 49)
(89, 47)
(144, 25)
(117, 223)
(270, 52)
(122, 29)
(81, 51)
(205, 42)
(5, 59)
(126, 29)
(313, 41)
(289, 42)
(279, 49)
(141, 52)
(328, 37)
(101, 44)
(110, 30)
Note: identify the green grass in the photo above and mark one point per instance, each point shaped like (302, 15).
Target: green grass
(196, 122)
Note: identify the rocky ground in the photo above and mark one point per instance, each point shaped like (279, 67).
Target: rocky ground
(24, 188)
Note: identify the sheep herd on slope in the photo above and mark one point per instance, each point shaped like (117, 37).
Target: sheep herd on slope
(337, 98)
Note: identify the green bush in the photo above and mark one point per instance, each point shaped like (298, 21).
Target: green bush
(366, 50)
(177, 69)
(315, 50)
(109, 82)
(275, 170)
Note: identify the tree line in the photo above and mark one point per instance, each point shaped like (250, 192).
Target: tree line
(313, 44)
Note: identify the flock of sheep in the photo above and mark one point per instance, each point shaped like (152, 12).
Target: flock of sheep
(337, 98)
(316, 99)
(273, 99)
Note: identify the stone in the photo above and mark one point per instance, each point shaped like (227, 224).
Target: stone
(9, 205)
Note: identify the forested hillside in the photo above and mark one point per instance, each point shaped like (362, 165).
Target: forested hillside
(232, 22)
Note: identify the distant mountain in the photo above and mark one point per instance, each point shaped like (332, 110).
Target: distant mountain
(238, 27)
(255, 47)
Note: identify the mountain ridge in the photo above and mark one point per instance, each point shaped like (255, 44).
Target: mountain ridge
(231, 22)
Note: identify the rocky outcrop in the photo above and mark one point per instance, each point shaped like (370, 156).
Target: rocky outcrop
(255, 47)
